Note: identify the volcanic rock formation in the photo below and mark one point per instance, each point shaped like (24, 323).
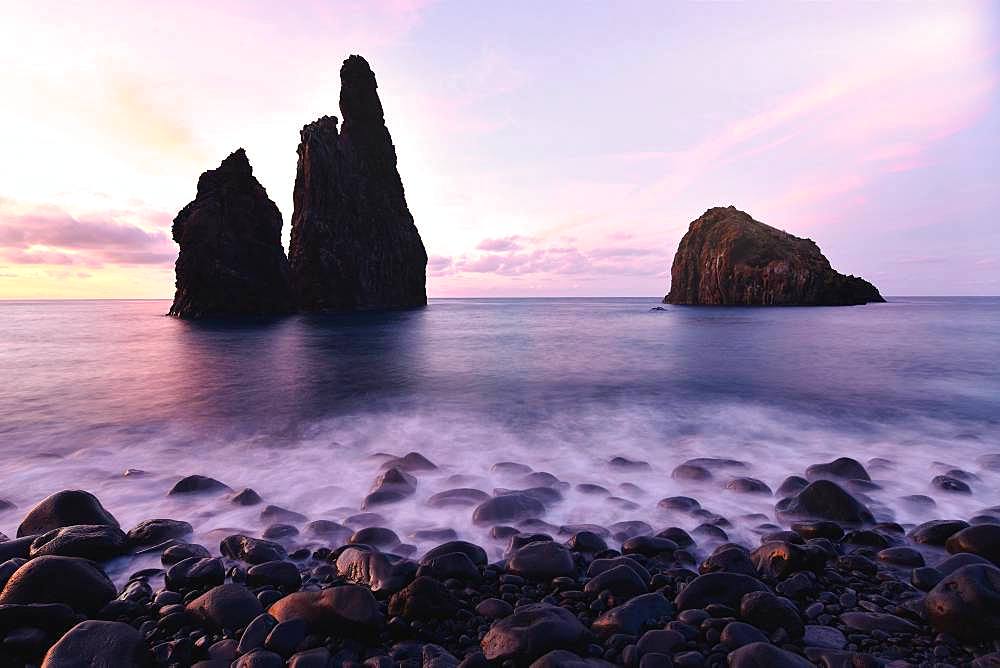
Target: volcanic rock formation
(729, 258)
(354, 244)
(231, 261)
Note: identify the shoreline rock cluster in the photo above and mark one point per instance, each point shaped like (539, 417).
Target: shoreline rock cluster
(354, 245)
(827, 584)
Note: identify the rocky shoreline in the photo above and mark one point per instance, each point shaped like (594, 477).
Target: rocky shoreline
(826, 584)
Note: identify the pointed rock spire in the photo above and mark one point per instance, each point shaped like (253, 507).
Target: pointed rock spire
(231, 261)
(354, 243)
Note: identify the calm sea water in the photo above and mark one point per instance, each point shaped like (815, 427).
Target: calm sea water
(300, 408)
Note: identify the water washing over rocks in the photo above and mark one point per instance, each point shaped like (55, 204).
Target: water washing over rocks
(513, 566)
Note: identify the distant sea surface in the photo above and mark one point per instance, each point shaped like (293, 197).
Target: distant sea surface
(301, 409)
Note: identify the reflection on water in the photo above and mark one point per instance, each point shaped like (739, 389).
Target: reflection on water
(295, 407)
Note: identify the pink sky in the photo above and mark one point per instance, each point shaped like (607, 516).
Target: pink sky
(547, 149)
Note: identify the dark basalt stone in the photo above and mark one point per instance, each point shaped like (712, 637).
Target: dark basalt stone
(380, 572)
(227, 606)
(684, 504)
(96, 542)
(541, 560)
(779, 559)
(194, 484)
(792, 485)
(231, 261)
(947, 483)
(282, 575)
(343, 610)
(728, 559)
(178, 552)
(727, 257)
(476, 554)
(621, 582)
(966, 603)
(153, 532)
(195, 572)
(246, 497)
(354, 244)
(770, 613)
(691, 472)
(378, 537)
(936, 532)
(628, 464)
(746, 485)
(877, 621)
(982, 540)
(587, 542)
(826, 500)
(765, 655)
(424, 598)
(463, 496)
(251, 550)
(634, 616)
(842, 468)
(328, 529)
(532, 631)
(392, 485)
(738, 634)
(98, 643)
(63, 509)
(507, 508)
(725, 588)
(75, 582)
(411, 461)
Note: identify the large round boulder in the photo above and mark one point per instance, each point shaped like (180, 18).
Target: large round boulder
(98, 644)
(541, 560)
(227, 606)
(63, 509)
(825, 500)
(424, 598)
(197, 484)
(154, 532)
(725, 588)
(770, 613)
(532, 631)
(251, 550)
(634, 616)
(842, 468)
(765, 655)
(966, 603)
(475, 553)
(97, 542)
(343, 610)
(507, 508)
(75, 582)
(982, 540)
(379, 571)
(936, 532)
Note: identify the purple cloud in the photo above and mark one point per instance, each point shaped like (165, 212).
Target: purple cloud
(52, 236)
(504, 244)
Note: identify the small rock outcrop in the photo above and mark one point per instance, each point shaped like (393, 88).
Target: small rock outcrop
(728, 258)
(354, 245)
(231, 262)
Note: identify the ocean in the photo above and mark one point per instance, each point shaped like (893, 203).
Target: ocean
(305, 409)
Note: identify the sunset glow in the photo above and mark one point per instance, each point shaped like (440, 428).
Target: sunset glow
(563, 154)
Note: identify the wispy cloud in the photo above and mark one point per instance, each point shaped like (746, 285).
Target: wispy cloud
(51, 236)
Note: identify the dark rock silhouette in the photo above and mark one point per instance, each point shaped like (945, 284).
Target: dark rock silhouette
(231, 261)
(354, 244)
(728, 258)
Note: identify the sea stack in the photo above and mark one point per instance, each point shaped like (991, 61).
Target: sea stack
(728, 258)
(231, 262)
(354, 245)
